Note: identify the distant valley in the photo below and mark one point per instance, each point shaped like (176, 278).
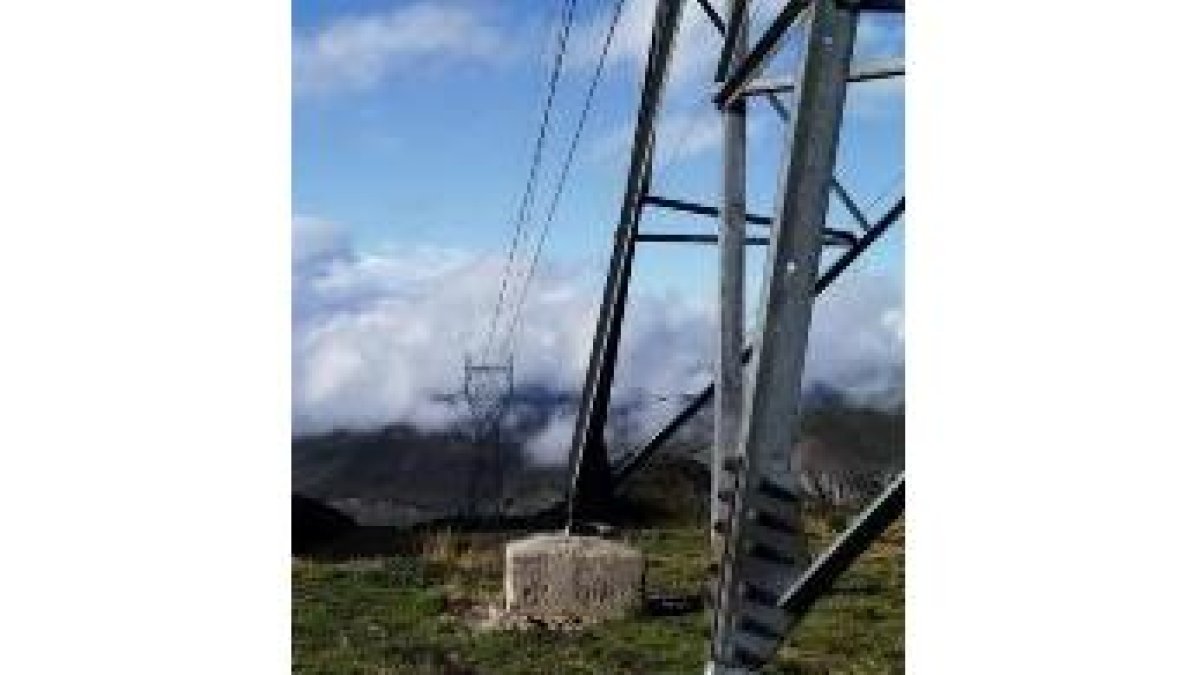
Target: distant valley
(401, 476)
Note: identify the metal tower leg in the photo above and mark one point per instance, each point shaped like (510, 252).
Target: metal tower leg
(731, 291)
(761, 553)
(590, 475)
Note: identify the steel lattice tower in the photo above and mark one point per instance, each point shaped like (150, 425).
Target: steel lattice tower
(488, 391)
(765, 577)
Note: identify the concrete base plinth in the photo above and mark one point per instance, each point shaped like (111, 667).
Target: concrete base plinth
(574, 578)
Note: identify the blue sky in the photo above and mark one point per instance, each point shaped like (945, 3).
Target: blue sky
(429, 144)
(413, 126)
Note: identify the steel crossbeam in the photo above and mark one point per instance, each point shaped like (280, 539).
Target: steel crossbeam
(859, 72)
(832, 236)
(750, 66)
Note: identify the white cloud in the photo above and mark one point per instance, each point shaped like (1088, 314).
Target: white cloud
(680, 137)
(315, 240)
(549, 445)
(696, 44)
(856, 342)
(358, 52)
(880, 36)
(380, 338)
(687, 137)
(876, 99)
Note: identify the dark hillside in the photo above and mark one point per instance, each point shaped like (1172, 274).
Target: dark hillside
(401, 476)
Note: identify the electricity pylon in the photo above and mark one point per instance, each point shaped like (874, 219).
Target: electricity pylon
(488, 391)
(765, 577)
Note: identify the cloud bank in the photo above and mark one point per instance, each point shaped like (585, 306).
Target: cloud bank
(379, 338)
(358, 52)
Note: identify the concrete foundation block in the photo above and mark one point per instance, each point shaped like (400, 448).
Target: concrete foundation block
(558, 577)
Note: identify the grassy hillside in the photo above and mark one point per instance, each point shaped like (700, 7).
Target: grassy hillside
(401, 476)
(410, 611)
(382, 600)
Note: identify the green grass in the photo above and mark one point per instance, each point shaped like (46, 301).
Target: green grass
(401, 614)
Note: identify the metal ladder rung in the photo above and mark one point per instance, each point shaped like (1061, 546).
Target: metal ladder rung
(749, 624)
(751, 651)
(777, 509)
(759, 595)
(775, 618)
(768, 576)
(773, 490)
(763, 551)
(773, 522)
(786, 545)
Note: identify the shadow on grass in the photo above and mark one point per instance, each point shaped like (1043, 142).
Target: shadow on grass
(322, 533)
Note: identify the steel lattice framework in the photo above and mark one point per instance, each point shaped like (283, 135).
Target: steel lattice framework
(765, 578)
(488, 391)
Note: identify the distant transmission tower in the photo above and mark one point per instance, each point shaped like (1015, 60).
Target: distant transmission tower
(488, 391)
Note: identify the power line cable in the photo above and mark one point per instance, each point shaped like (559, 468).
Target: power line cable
(521, 217)
(564, 173)
(531, 179)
